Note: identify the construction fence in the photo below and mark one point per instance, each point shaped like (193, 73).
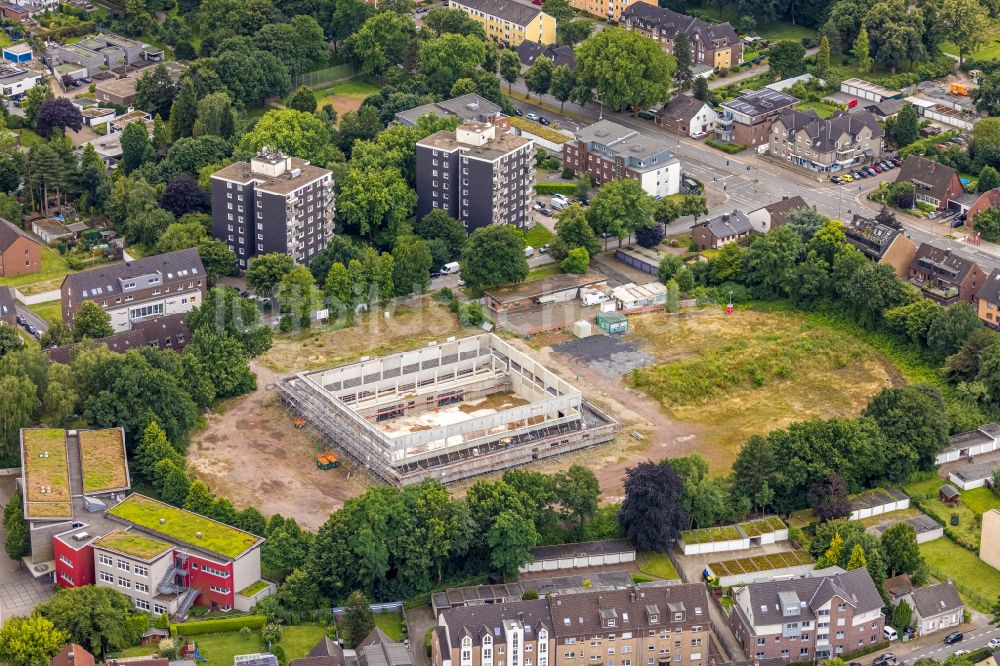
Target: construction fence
(323, 78)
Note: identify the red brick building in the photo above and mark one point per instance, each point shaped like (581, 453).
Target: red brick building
(19, 253)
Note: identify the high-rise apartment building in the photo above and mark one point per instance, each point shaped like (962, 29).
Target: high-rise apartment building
(273, 203)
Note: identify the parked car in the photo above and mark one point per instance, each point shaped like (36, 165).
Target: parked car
(21, 320)
(846, 177)
(518, 112)
(32, 328)
(994, 643)
(531, 116)
(646, 115)
(38, 334)
(538, 205)
(953, 637)
(955, 224)
(887, 659)
(934, 214)
(544, 249)
(836, 180)
(544, 121)
(561, 199)
(546, 212)
(896, 161)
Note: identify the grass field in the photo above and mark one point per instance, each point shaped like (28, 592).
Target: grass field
(50, 311)
(973, 503)
(785, 31)
(547, 270)
(990, 50)
(978, 581)
(391, 624)
(538, 236)
(822, 109)
(752, 372)
(220, 649)
(346, 96)
(298, 640)
(658, 565)
(53, 269)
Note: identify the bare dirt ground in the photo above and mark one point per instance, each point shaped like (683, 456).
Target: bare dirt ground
(252, 453)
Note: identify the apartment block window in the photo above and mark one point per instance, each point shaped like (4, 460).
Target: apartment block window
(123, 565)
(220, 590)
(124, 582)
(760, 655)
(142, 587)
(142, 604)
(107, 578)
(840, 634)
(841, 607)
(141, 570)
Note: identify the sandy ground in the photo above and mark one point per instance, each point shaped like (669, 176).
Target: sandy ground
(252, 454)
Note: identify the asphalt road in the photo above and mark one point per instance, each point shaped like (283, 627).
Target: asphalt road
(975, 638)
(31, 317)
(748, 182)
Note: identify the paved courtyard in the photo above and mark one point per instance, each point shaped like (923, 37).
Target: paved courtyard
(19, 592)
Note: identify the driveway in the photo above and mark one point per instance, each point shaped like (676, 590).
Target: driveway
(418, 622)
(31, 317)
(19, 592)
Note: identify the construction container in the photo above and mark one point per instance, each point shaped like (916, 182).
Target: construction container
(613, 323)
(582, 329)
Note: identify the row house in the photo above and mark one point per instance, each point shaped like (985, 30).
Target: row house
(509, 23)
(805, 619)
(612, 10)
(134, 291)
(944, 276)
(609, 151)
(826, 145)
(747, 119)
(637, 626)
(713, 44)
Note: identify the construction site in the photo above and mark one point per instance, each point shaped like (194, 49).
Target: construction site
(450, 410)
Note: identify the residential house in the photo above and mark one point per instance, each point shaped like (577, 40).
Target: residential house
(377, 649)
(273, 203)
(513, 633)
(15, 81)
(988, 300)
(97, 53)
(881, 243)
(609, 151)
(132, 291)
(477, 175)
(610, 10)
(989, 541)
(714, 44)
(19, 252)
(935, 607)
(120, 92)
(899, 588)
(73, 655)
(985, 201)
(884, 110)
(933, 182)
(774, 215)
(802, 619)
(688, 116)
(529, 51)
(510, 23)
(944, 276)
(166, 332)
(469, 107)
(747, 119)
(992, 660)
(713, 233)
(827, 145)
(8, 308)
(325, 653)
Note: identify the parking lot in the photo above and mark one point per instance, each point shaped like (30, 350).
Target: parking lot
(867, 171)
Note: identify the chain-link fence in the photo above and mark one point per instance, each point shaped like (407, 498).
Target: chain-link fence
(978, 598)
(322, 78)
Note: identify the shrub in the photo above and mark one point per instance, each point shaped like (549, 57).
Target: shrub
(529, 595)
(471, 314)
(218, 626)
(731, 148)
(569, 189)
(568, 174)
(444, 295)
(14, 122)
(286, 324)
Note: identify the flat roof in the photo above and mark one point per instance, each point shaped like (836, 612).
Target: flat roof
(46, 473)
(184, 526)
(18, 49)
(876, 497)
(582, 549)
(544, 286)
(133, 544)
(121, 87)
(102, 453)
(287, 182)
(870, 87)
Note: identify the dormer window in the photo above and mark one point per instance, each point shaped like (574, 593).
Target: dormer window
(611, 622)
(653, 619)
(678, 616)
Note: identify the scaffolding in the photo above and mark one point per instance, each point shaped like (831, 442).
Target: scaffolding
(340, 404)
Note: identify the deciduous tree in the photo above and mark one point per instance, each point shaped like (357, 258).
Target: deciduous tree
(862, 51)
(265, 271)
(965, 23)
(95, 617)
(652, 515)
(303, 99)
(29, 641)
(494, 256)
(685, 59)
(538, 78)
(625, 68)
(90, 321)
(510, 67)
(906, 128)
(828, 498)
(293, 132)
(620, 207)
(573, 231)
(359, 620)
(59, 112)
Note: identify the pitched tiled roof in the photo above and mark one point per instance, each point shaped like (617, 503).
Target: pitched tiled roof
(529, 51)
(143, 333)
(779, 210)
(728, 224)
(509, 10)
(942, 263)
(899, 585)
(668, 23)
(10, 232)
(682, 107)
(854, 587)
(824, 133)
(477, 621)
(327, 647)
(930, 176)
(935, 600)
(990, 291)
(581, 614)
(73, 655)
(109, 279)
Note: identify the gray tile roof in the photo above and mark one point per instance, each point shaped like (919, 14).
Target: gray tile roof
(942, 263)
(327, 647)
(760, 102)
(990, 291)
(728, 224)
(932, 177)
(379, 650)
(855, 587)
(681, 107)
(580, 614)
(476, 621)
(109, 279)
(825, 133)
(779, 210)
(508, 10)
(622, 142)
(936, 600)
(529, 51)
(142, 334)
(466, 107)
(668, 23)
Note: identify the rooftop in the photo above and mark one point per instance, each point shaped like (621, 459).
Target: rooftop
(10, 232)
(867, 86)
(544, 286)
(102, 453)
(492, 149)
(466, 107)
(120, 87)
(133, 544)
(620, 141)
(115, 278)
(582, 549)
(301, 173)
(46, 471)
(728, 224)
(184, 526)
(760, 102)
(509, 10)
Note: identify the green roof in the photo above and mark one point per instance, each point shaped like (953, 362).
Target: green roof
(45, 466)
(184, 526)
(253, 588)
(102, 455)
(134, 544)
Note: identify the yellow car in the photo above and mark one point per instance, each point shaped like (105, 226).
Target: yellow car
(847, 178)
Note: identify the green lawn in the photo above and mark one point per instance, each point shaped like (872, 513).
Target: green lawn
(391, 624)
(822, 109)
(990, 50)
(785, 31)
(659, 565)
(538, 236)
(53, 266)
(352, 87)
(298, 640)
(973, 504)
(50, 312)
(547, 270)
(220, 649)
(29, 138)
(978, 581)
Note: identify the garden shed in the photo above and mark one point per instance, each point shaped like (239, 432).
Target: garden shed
(948, 494)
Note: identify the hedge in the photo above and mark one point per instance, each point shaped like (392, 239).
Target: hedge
(874, 647)
(555, 188)
(218, 626)
(731, 148)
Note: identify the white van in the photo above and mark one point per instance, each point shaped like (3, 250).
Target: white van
(529, 251)
(558, 204)
(890, 634)
(592, 297)
(450, 268)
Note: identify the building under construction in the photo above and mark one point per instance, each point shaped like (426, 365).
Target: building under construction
(450, 410)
